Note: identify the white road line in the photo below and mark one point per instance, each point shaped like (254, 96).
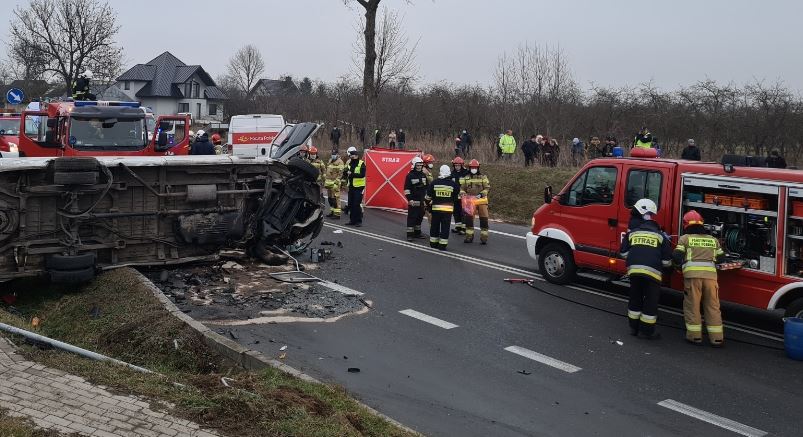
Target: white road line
(543, 359)
(337, 287)
(429, 319)
(536, 276)
(713, 419)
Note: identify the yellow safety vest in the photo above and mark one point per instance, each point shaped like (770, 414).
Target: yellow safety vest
(358, 182)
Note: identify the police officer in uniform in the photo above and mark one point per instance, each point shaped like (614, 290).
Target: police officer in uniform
(415, 190)
(648, 251)
(354, 173)
(443, 194)
(698, 253)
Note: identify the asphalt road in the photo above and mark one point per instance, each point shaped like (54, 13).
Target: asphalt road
(510, 360)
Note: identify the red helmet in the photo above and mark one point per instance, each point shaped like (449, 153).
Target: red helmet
(692, 218)
(458, 160)
(216, 139)
(429, 159)
(474, 164)
(313, 150)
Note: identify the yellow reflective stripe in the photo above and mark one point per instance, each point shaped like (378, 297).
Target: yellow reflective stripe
(443, 208)
(434, 239)
(699, 269)
(680, 248)
(650, 320)
(694, 328)
(633, 314)
(706, 242)
(649, 273)
(714, 329)
(444, 241)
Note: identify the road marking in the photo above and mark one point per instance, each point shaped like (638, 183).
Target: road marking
(713, 419)
(339, 288)
(536, 276)
(543, 359)
(429, 319)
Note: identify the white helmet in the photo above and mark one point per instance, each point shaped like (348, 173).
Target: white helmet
(192, 134)
(87, 74)
(351, 150)
(646, 206)
(445, 171)
(200, 133)
(416, 160)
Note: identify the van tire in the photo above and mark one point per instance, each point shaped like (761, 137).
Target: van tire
(72, 276)
(78, 163)
(308, 170)
(795, 308)
(70, 262)
(76, 178)
(556, 263)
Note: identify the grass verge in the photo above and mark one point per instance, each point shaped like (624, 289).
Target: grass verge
(19, 427)
(115, 316)
(516, 191)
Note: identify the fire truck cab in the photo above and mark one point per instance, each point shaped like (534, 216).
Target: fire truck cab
(104, 128)
(756, 213)
(9, 134)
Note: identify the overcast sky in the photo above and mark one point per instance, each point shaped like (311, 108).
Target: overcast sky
(608, 42)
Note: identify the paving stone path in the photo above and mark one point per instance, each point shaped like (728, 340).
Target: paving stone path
(56, 400)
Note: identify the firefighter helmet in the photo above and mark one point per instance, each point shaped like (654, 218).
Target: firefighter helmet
(304, 148)
(416, 160)
(458, 160)
(216, 139)
(474, 164)
(692, 218)
(429, 159)
(87, 74)
(352, 150)
(646, 206)
(313, 150)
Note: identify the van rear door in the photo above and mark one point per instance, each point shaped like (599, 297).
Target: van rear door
(250, 133)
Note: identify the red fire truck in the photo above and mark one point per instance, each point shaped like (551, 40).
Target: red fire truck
(9, 134)
(90, 128)
(757, 213)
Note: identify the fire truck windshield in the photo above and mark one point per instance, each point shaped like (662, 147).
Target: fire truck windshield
(9, 126)
(107, 133)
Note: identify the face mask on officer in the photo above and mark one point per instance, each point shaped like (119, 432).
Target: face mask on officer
(430, 165)
(474, 171)
(313, 157)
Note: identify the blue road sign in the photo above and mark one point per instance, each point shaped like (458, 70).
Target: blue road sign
(14, 96)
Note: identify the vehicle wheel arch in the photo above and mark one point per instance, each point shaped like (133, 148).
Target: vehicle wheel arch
(550, 235)
(786, 296)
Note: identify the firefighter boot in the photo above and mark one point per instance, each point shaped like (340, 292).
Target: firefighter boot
(483, 230)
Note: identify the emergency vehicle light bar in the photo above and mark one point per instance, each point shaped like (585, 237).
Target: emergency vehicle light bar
(79, 103)
(10, 114)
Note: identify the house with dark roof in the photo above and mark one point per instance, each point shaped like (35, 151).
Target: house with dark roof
(274, 88)
(169, 86)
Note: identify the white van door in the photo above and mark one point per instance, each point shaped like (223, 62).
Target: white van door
(250, 133)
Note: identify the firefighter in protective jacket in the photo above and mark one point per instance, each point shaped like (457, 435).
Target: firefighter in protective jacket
(334, 171)
(648, 251)
(459, 171)
(316, 162)
(443, 194)
(415, 190)
(698, 253)
(476, 186)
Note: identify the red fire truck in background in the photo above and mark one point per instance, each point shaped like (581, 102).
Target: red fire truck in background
(757, 213)
(92, 128)
(9, 134)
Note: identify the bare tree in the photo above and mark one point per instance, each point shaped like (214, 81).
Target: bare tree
(67, 37)
(245, 67)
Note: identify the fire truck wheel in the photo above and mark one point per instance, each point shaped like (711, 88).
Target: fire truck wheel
(70, 262)
(310, 172)
(76, 163)
(556, 263)
(795, 308)
(76, 178)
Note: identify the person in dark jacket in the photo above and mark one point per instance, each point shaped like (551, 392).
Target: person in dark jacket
(529, 147)
(610, 143)
(443, 194)
(648, 252)
(775, 160)
(400, 138)
(415, 190)
(691, 151)
(465, 142)
(202, 145)
(459, 171)
(354, 174)
(334, 136)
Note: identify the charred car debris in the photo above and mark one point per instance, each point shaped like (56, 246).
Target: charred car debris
(69, 217)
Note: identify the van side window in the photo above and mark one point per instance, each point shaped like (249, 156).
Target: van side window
(643, 184)
(595, 186)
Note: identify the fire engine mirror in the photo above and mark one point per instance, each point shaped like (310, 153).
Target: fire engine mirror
(548, 194)
(73, 140)
(161, 142)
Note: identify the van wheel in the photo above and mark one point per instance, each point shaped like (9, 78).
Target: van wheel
(556, 263)
(795, 308)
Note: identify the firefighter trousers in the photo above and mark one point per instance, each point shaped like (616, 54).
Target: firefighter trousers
(333, 196)
(468, 220)
(459, 226)
(415, 215)
(695, 291)
(642, 308)
(439, 229)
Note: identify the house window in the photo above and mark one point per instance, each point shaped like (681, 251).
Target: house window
(127, 85)
(187, 89)
(183, 107)
(199, 111)
(196, 88)
(213, 109)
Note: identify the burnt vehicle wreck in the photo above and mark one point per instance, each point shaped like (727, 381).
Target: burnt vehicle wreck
(69, 217)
